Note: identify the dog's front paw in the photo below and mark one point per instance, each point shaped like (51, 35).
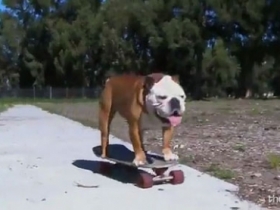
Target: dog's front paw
(170, 156)
(139, 160)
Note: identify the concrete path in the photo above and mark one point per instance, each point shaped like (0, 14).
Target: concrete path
(37, 151)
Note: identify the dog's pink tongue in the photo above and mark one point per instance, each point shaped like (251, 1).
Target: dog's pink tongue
(175, 120)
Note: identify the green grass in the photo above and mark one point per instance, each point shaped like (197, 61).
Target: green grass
(273, 160)
(4, 106)
(187, 159)
(218, 172)
(239, 147)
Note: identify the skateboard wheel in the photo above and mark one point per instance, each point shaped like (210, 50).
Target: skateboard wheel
(145, 180)
(177, 177)
(105, 168)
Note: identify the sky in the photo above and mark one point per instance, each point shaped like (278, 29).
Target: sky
(1, 6)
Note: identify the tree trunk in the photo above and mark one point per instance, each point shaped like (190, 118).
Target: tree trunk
(198, 75)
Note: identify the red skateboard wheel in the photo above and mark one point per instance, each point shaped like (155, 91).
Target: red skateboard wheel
(178, 177)
(145, 180)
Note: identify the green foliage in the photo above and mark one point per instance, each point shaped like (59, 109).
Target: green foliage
(217, 47)
(220, 69)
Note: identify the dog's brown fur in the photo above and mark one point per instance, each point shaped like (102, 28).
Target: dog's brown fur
(125, 94)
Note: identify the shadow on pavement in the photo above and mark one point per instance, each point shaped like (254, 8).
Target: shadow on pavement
(118, 172)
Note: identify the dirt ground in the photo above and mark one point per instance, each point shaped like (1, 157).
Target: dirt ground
(235, 140)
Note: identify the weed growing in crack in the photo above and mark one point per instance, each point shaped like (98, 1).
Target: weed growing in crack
(225, 174)
(273, 160)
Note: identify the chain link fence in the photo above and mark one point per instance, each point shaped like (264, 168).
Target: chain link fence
(51, 93)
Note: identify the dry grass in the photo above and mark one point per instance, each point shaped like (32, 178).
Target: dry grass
(236, 140)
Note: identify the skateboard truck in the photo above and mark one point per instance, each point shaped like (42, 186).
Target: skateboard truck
(146, 180)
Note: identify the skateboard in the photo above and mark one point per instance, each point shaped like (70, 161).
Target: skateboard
(144, 179)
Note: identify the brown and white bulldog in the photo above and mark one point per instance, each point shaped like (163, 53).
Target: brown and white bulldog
(145, 102)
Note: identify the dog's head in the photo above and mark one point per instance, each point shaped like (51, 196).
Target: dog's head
(165, 98)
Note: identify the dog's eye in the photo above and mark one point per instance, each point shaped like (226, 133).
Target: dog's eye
(161, 97)
(182, 96)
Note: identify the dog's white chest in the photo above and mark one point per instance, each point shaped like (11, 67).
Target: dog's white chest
(150, 122)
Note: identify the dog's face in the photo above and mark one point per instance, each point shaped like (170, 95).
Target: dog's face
(165, 98)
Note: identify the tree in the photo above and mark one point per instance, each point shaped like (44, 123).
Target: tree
(217, 47)
(244, 25)
(220, 71)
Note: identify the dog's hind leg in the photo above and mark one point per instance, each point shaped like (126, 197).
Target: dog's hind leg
(142, 138)
(106, 115)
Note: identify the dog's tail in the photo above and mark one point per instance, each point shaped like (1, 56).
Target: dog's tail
(108, 75)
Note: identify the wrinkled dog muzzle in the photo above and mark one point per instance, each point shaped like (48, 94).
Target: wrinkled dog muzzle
(167, 111)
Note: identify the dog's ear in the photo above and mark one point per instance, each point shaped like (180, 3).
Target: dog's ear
(148, 83)
(176, 78)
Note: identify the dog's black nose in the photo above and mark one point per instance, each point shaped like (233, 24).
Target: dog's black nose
(175, 113)
(174, 104)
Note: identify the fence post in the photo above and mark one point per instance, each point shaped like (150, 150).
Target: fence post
(66, 92)
(83, 92)
(34, 92)
(50, 92)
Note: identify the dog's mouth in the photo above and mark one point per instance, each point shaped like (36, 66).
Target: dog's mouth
(174, 119)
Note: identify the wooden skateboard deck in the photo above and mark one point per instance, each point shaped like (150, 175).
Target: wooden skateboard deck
(155, 164)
